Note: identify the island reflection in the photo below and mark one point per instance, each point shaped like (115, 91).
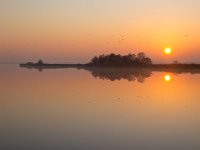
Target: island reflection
(114, 74)
(121, 73)
(113, 67)
(109, 73)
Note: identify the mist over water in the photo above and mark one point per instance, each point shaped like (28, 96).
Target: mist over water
(98, 109)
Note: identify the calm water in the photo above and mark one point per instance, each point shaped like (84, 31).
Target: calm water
(105, 109)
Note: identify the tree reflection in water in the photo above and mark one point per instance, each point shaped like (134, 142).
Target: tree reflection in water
(119, 73)
(114, 74)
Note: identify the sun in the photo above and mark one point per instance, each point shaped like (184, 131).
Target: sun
(167, 78)
(168, 50)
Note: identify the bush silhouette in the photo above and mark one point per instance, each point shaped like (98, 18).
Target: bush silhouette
(113, 59)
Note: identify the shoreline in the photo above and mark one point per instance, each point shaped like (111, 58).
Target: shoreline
(176, 68)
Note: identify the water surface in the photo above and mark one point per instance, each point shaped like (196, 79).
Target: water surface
(110, 109)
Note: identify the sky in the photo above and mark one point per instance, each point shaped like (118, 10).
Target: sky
(73, 31)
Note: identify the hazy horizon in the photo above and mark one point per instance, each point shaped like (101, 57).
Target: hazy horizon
(114, 102)
(74, 31)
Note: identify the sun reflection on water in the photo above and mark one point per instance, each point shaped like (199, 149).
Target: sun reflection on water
(167, 78)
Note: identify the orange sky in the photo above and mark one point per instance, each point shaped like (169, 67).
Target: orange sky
(74, 31)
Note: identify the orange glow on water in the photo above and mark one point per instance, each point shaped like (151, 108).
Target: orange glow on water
(167, 78)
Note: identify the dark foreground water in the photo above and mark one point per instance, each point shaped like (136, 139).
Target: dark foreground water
(106, 109)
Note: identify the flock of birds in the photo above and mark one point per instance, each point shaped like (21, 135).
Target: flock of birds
(122, 39)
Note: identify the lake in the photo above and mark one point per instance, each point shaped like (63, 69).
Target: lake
(98, 109)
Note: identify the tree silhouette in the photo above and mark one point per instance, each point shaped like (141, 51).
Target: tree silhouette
(113, 59)
(40, 62)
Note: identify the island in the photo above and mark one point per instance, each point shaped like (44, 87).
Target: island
(131, 61)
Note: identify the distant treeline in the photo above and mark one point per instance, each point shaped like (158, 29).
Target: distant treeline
(113, 59)
(139, 60)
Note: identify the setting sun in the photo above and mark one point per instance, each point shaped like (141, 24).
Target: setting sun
(168, 50)
(167, 78)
